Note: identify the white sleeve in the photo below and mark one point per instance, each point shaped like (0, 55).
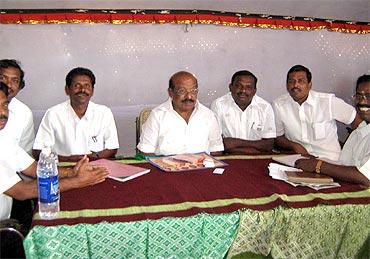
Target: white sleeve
(8, 177)
(278, 122)
(215, 108)
(269, 128)
(342, 111)
(45, 133)
(28, 134)
(215, 137)
(110, 134)
(149, 134)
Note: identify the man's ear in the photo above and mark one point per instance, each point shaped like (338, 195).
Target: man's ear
(230, 86)
(170, 92)
(66, 89)
(310, 85)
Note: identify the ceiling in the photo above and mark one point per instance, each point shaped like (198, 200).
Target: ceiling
(351, 10)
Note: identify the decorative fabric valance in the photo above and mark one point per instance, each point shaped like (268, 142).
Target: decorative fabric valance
(61, 16)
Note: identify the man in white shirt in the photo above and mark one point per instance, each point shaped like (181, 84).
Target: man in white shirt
(20, 125)
(181, 124)
(246, 120)
(14, 159)
(78, 126)
(355, 156)
(306, 120)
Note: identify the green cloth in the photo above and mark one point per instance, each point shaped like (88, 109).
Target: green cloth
(316, 232)
(199, 236)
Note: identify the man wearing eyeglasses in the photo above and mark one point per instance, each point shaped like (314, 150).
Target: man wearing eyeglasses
(355, 156)
(306, 119)
(20, 127)
(78, 127)
(181, 124)
(246, 120)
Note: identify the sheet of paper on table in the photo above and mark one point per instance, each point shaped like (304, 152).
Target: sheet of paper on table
(119, 171)
(278, 172)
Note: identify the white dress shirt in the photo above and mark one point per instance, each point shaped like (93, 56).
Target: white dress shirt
(256, 122)
(356, 151)
(313, 124)
(69, 135)
(165, 132)
(20, 127)
(13, 159)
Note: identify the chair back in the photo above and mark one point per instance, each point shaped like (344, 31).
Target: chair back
(11, 242)
(143, 116)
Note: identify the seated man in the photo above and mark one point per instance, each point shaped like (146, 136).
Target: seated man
(355, 156)
(306, 120)
(20, 126)
(181, 124)
(14, 159)
(246, 120)
(78, 126)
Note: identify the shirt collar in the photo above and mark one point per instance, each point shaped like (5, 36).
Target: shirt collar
(310, 100)
(252, 104)
(363, 129)
(88, 114)
(170, 107)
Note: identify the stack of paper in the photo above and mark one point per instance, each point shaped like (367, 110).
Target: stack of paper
(279, 172)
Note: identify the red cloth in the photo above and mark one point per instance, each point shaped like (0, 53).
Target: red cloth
(244, 179)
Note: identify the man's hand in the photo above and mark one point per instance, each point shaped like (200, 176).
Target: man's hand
(89, 175)
(308, 165)
(299, 149)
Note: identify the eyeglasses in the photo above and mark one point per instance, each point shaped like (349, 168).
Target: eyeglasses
(358, 96)
(183, 91)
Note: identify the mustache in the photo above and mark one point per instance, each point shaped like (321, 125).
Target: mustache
(3, 117)
(188, 101)
(363, 106)
(81, 93)
(294, 88)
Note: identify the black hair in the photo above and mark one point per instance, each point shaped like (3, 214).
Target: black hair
(244, 73)
(6, 63)
(171, 84)
(80, 71)
(4, 89)
(362, 79)
(299, 68)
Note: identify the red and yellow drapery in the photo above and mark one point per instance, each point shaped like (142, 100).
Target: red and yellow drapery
(62, 16)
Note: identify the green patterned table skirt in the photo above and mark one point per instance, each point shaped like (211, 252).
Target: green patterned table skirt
(199, 236)
(318, 232)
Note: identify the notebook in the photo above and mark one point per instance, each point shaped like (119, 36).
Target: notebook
(119, 171)
(306, 177)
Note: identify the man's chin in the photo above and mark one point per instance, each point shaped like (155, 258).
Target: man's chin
(2, 124)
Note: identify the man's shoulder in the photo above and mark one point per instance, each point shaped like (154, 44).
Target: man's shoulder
(321, 95)
(17, 105)
(163, 107)
(282, 99)
(223, 99)
(58, 108)
(260, 101)
(204, 111)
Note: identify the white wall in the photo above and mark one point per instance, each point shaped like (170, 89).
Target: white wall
(133, 63)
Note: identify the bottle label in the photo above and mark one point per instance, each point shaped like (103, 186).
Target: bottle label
(48, 189)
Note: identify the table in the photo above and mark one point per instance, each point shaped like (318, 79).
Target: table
(198, 214)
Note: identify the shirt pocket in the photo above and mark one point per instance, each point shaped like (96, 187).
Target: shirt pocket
(320, 129)
(255, 132)
(96, 142)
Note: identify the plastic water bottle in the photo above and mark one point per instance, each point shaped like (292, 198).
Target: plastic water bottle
(48, 184)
